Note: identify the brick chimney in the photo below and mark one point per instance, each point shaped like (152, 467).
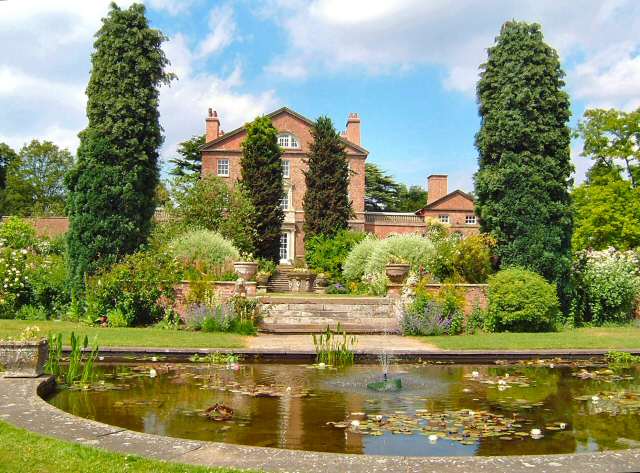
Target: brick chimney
(353, 128)
(436, 187)
(212, 125)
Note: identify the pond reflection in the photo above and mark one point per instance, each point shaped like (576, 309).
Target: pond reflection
(441, 410)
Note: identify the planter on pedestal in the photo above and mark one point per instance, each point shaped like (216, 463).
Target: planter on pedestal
(23, 359)
(397, 273)
(321, 283)
(245, 269)
(301, 281)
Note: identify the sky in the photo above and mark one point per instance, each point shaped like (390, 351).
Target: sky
(408, 67)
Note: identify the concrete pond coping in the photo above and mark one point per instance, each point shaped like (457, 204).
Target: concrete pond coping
(22, 405)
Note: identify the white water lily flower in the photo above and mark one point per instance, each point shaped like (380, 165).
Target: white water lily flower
(433, 438)
(153, 373)
(355, 424)
(595, 399)
(563, 425)
(536, 433)
(475, 374)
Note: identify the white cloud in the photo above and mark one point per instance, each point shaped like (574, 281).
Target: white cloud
(380, 36)
(46, 47)
(222, 31)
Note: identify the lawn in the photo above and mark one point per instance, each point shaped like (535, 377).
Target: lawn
(609, 337)
(27, 452)
(128, 337)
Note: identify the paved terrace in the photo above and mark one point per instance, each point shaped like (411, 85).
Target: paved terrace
(22, 406)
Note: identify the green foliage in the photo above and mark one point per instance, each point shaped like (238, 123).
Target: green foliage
(210, 204)
(17, 233)
(117, 318)
(621, 358)
(607, 285)
(204, 250)
(31, 312)
(383, 194)
(238, 315)
(189, 162)
(525, 168)
(7, 156)
(354, 265)
(327, 208)
(606, 211)
(441, 262)
(112, 186)
(334, 348)
(472, 258)
(327, 255)
(476, 320)
(35, 180)
(434, 314)
(48, 283)
(262, 173)
(136, 287)
(80, 369)
(416, 250)
(521, 301)
(611, 136)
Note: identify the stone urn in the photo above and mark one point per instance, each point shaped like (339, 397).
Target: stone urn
(245, 269)
(397, 272)
(301, 281)
(23, 359)
(262, 278)
(321, 283)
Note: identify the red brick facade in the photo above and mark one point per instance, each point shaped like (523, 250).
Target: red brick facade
(223, 153)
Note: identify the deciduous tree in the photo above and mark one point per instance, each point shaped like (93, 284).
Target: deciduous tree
(189, 160)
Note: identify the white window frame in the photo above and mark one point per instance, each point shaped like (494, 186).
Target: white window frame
(470, 220)
(286, 199)
(287, 247)
(443, 218)
(222, 163)
(286, 168)
(288, 141)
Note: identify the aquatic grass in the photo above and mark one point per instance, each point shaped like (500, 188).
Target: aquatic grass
(334, 348)
(621, 358)
(52, 366)
(79, 368)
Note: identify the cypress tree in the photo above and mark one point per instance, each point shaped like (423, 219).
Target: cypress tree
(262, 177)
(112, 186)
(524, 163)
(326, 203)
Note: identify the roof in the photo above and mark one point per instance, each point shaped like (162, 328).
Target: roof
(442, 199)
(309, 122)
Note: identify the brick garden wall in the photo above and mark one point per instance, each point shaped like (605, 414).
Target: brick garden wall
(474, 295)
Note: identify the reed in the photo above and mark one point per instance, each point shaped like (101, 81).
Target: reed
(334, 348)
(80, 367)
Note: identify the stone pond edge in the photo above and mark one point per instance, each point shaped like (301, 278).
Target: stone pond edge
(22, 405)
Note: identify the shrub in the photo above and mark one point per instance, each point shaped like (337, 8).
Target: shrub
(476, 320)
(606, 285)
(412, 248)
(203, 249)
(472, 258)
(209, 203)
(328, 255)
(437, 314)
(139, 287)
(337, 288)
(354, 265)
(239, 315)
(14, 282)
(117, 318)
(30, 312)
(521, 301)
(17, 233)
(48, 282)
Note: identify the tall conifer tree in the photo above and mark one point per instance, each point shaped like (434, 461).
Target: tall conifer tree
(262, 177)
(524, 163)
(112, 187)
(326, 203)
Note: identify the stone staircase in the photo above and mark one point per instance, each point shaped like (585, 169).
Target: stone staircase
(313, 314)
(279, 282)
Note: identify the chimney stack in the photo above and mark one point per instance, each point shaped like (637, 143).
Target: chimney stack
(436, 187)
(212, 125)
(353, 128)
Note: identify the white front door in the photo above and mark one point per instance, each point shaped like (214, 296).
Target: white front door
(284, 248)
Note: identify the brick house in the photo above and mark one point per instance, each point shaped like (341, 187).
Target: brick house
(456, 209)
(222, 152)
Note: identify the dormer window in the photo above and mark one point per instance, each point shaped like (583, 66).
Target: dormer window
(287, 140)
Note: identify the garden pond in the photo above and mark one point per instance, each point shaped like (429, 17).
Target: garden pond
(535, 407)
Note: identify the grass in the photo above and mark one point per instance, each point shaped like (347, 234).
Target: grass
(601, 337)
(127, 337)
(27, 452)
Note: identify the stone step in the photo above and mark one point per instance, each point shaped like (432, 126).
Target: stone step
(391, 327)
(329, 321)
(329, 314)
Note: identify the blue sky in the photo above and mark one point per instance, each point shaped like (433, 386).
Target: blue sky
(408, 67)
